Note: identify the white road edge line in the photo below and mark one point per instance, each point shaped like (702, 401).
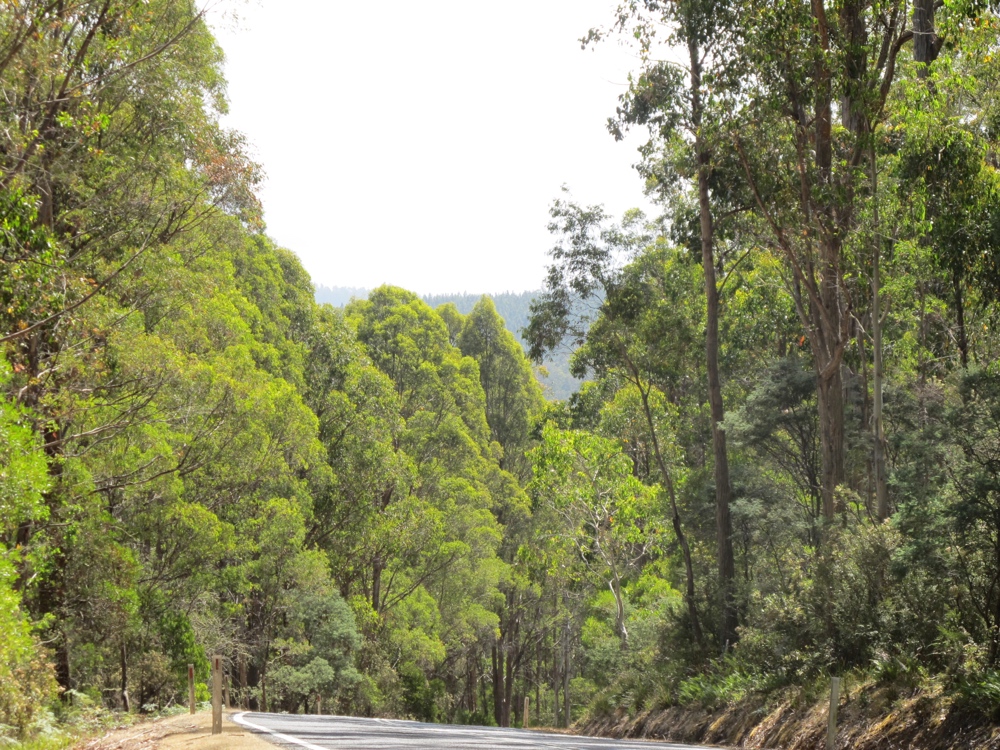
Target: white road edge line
(238, 718)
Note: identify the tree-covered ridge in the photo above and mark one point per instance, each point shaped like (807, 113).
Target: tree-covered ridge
(339, 296)
(513, 307)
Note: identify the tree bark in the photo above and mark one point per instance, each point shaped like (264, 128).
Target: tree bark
(498, 691)
(63, 675)
(263, 689)
(508, 686)
(567, 713)
(689, 594)
(242, 663)
(925, 41)
(555, 683)
(123, 654)
(616, 590)
(377, 567)
(963, 342)
(538, 673)
(881, 484)
(831, 416)
(828, 313)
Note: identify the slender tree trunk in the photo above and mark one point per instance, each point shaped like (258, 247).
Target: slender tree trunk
(828, 334)
(867, 419)
(376, 584)
(615, 585)
(555, 683)
(567, 713)
(508, 686)
(123, 655)
(881, 485)
(63, 676)
(723, 489)
(263, 678)
(831, 416)
(555, 667)
(830, 382)
(555, 691)
(498, 664)
(538, 674)
(482, 694)
(963, 342)
(676, 516)
(242, 662)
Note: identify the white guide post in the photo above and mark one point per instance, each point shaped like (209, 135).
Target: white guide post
(831, 730)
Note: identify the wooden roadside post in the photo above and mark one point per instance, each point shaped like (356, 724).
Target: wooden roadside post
(216, 694)
(527, 702)
(831, 730)
(191, 687)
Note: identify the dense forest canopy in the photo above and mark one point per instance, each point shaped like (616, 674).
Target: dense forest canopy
(785, 463)
(512, 307)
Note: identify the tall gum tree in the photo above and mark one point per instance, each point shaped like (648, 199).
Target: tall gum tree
(681, 120)
(513, 398)
(813, 93)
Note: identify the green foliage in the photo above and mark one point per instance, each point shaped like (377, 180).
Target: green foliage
(27, 682)
(375, 507)
(554, 372)
(23, 468)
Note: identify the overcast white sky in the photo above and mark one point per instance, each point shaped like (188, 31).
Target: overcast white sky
(421, 143)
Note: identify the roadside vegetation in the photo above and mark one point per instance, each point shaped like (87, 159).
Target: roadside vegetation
(784, 464)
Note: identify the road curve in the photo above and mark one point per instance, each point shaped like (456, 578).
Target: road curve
(350, 733)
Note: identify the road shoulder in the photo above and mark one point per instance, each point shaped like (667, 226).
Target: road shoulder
(182, 732)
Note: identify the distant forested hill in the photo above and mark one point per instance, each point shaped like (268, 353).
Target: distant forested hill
(338, 296)
(513, 307)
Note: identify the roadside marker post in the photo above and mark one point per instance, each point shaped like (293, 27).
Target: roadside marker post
(527, 702)
(831, 731)
(216, 694)
(191, 687)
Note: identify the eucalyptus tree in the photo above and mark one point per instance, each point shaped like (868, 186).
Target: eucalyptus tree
(807, 66)
(513, 401)
(796, 69)
(513, 396)
(607, 515)
(594, 297)
(687, 121)
(439, 529)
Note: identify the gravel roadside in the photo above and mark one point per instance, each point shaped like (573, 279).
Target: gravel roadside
(182, 732)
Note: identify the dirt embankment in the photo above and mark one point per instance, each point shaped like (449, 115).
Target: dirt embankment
(182, 732)
(867, 720)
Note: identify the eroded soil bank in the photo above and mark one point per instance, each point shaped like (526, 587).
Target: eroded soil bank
(868, 719)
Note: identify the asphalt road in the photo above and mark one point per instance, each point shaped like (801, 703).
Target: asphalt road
(349, 733)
